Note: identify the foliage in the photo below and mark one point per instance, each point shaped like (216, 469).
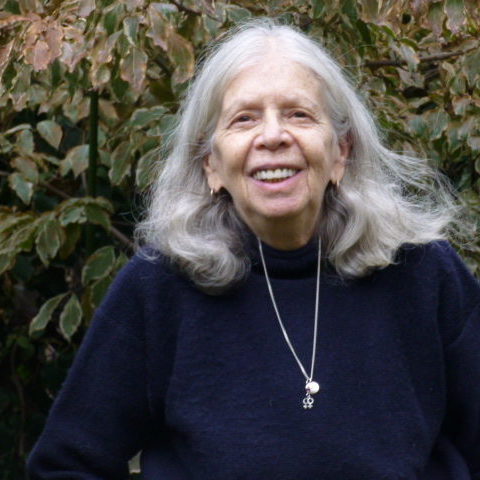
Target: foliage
(89, 89)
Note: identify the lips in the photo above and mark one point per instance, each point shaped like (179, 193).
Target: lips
(274, 174)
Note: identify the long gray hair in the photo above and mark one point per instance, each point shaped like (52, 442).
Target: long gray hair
(385, 199)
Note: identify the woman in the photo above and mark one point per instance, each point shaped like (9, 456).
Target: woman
(222, 351)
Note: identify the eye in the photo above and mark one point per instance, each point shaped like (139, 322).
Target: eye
(243, 118)
(299, 114)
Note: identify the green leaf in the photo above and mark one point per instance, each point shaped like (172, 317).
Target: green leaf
(110, 19)
(474, 144)
(44, 315)
(237, 14)
(121, 261)
(73, 214)
(51, 132)
(71, 317)
(471, 66)
(7, 261)
(144, 116)
(99, 264)
(130, 29)
(98, 290)
(437, 122)
(50, 237)
(121, 162)
(143, 172)
(22, 187)
(27, 168)
(73, 232)
(318, 8)
(76, 160)
(96, 214)
(25, 141)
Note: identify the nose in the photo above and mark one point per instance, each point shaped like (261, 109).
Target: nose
(273, 134)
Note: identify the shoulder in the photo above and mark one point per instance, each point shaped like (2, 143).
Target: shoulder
(437, 259)
(435, 273)
(147, 279)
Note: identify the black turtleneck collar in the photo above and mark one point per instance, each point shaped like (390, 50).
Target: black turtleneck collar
(298, 263)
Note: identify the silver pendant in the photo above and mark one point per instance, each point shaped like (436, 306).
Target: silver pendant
(308, 402)
(311, 388)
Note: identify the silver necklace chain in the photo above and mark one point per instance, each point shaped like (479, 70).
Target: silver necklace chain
(311, 387)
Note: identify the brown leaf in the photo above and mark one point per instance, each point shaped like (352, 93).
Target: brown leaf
(103, 51)
(30, 6)
(38, 56)
(435, 18)
(34, 31)
(134, 4)
(455, 11)
(370, 10)
(53, 37)
(5, 56)
(11, 19)
(73, 48)
(180, 53)
(133, 68)
(86, 7)
(108, 111)
(158, 27)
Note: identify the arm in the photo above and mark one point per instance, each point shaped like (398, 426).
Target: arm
(463, 389)
(101, 416)
(460, 312)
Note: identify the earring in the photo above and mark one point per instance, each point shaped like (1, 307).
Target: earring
(212, 192)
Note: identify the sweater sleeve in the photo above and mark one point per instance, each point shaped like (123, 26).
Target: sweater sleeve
(460, 311)
(101, 417)
(463, 389)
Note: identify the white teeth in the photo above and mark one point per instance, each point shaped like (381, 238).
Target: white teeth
(277, 174)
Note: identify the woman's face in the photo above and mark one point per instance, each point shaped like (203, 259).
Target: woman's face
(274, 149)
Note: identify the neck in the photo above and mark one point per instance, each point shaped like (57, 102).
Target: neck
(283, 234)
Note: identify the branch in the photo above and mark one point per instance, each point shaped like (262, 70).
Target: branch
(123, 238)
(426, 59)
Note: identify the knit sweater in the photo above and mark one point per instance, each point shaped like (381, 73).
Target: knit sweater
(207, 387)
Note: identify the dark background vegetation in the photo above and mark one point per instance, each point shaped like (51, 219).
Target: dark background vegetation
(88, 90)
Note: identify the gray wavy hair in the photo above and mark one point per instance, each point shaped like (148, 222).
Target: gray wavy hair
(385, 200)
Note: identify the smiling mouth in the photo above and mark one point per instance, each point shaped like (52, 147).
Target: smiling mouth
(275, 175)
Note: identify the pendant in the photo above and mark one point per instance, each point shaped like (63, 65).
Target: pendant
(311, 388)
(308, 402)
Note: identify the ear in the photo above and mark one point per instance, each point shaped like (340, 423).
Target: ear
(211, 172)
(338, 171)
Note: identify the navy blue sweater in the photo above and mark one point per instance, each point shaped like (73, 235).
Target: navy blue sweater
(207, 388)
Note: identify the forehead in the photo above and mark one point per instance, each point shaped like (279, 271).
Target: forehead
(274, 77)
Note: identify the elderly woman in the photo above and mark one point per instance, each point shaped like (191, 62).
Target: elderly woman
(296, 312)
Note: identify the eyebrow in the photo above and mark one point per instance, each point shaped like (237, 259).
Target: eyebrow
(293, 100)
